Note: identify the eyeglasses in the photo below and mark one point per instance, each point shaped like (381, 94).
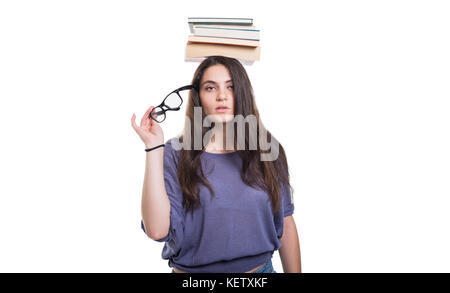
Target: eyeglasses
(171, 102)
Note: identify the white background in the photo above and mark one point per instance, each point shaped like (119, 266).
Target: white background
(356, 91)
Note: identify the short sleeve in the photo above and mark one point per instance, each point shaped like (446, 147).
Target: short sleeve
(286, 208)
(174, 192)
(286, 200)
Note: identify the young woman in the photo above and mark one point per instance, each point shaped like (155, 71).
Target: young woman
(218, 210)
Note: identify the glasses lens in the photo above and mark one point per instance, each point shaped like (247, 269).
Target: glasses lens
(173, 100)
(158, 114)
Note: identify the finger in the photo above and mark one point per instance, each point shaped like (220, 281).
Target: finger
(152, 122)
(133, 122)
(145, 116)
(144, 120)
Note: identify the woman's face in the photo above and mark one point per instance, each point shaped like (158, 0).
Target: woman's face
(216, 93)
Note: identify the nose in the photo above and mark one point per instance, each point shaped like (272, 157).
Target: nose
(221, 95)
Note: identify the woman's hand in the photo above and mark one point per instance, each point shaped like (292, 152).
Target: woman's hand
(149, 131)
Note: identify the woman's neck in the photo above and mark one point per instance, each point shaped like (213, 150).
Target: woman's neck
(218, 145)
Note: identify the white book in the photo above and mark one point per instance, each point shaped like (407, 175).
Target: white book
(226, 32)
(218, 20)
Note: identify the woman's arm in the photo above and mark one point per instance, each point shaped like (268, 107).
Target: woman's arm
(155, 203)
(290, 247)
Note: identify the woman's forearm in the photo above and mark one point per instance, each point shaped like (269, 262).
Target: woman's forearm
(155, 203)
(290, 247)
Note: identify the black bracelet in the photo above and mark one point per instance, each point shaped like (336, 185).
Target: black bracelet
(150, 149)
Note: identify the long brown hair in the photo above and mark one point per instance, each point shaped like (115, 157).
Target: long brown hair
(265, 175)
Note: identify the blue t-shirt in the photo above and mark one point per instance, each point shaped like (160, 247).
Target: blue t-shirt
(233, 232)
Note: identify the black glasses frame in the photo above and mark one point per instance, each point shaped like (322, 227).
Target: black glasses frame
(164, 108)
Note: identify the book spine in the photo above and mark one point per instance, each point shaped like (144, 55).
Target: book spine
(247, 35)
(234, 28)
(228, 26)
(229, 41)
(197, 50)
(224, 20)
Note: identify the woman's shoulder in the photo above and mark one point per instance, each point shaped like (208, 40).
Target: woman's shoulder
(173, 144)
(172, 148)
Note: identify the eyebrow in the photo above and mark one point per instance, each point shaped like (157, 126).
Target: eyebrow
(213, 82)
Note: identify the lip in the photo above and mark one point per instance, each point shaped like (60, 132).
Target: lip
(222, 109)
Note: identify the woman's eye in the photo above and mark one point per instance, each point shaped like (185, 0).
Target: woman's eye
(209, 87)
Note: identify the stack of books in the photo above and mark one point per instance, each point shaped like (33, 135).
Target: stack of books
(231, 37)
